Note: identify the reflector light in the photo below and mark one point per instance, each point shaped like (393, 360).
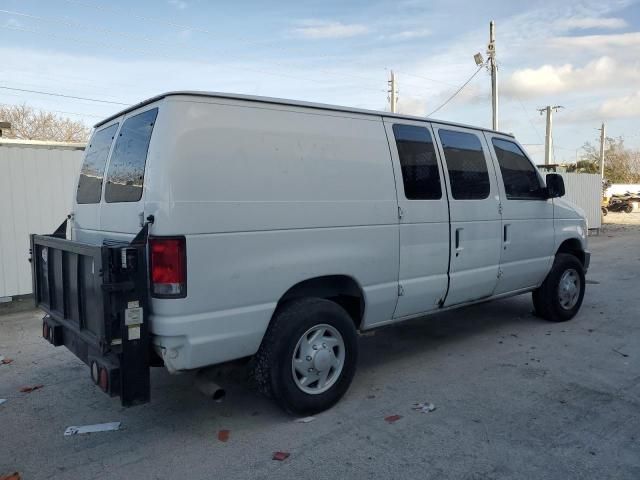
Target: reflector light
(104, 379)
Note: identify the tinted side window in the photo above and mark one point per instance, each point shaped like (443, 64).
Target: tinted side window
(418, 162)
(466, 165)
(519, 176)
(126, 168)
(90, 183)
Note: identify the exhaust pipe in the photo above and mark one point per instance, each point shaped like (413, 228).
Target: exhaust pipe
(209, 388)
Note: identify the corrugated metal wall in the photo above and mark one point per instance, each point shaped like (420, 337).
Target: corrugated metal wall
(36, 185)
(585, 190)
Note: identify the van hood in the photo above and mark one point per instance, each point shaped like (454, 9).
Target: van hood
(566, 209)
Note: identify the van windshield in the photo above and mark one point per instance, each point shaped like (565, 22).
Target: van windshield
(90, 183)
(126, 168)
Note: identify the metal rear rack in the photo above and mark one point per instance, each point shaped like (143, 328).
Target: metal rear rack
(96, 304)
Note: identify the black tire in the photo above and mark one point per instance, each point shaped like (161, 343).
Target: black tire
(604, 211)
(273, 367)
(546, 299)
(628, 208)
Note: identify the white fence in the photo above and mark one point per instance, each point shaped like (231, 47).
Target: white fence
(36, 179)
(585, 190)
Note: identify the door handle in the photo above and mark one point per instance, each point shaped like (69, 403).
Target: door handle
(505, 235)
(458, 238)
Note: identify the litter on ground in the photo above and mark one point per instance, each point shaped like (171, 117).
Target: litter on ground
(11, 476)
(424, 407)
(98, 427)
(31, 389)
(305, 420)
(223, 435)
(392, 418)
(2, 400)
(280, 456)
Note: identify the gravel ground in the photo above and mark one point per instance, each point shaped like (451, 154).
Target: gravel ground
(515, 397)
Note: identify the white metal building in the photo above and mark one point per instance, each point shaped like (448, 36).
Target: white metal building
(585, 190)
(36, 184)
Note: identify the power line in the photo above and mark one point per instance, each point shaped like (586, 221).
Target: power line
(422, 77)
(52, 94)
(59, 111)
(147, 52)
(69, 23)
(457, 91)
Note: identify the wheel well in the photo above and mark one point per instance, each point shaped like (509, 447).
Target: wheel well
(340, 289)
(573, 247)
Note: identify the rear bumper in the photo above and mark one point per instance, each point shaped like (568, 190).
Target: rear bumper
(185, 342)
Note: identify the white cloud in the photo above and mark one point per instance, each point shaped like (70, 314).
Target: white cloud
(603, 73)
(179, 4)
(584, 23)
(12, 23)
(411, 34)
(598, 42)
(316, 29)
(627, 106)
(412, 106)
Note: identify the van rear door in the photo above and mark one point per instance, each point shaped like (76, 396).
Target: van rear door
(86, 212)
(122, 210)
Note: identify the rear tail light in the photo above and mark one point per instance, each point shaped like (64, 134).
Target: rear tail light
(168, 265)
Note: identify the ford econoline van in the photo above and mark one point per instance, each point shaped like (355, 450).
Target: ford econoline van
(210, 227)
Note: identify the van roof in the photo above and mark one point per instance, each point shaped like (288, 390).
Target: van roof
(282, 101)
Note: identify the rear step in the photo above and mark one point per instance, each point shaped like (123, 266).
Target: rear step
(96, 304)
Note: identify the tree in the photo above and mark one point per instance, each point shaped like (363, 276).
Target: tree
(584, 166)
(621, 164)
(27, 123)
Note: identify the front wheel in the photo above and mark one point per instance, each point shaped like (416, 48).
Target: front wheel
(560, 296)
(628, 208)
(308, 356)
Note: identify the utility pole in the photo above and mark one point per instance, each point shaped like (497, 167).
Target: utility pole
(393, 93)
(602, 142)
(493, 65)
(548, 139)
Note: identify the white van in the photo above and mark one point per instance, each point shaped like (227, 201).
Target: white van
(278, 229)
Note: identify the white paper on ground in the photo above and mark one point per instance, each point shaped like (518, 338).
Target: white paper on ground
(2, 400)
(305, 420)
(98, 427)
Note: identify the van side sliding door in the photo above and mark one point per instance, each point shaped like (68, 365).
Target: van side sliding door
(424, 217)
(474, 204)
(527, 217)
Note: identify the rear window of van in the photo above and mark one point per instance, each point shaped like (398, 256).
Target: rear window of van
(95, 160)
(126, 168)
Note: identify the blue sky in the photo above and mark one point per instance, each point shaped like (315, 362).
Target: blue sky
(584, 55)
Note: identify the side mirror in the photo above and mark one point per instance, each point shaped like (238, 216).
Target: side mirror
(555, 185)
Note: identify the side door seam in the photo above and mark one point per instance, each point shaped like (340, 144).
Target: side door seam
(445, 178)
(398, 219)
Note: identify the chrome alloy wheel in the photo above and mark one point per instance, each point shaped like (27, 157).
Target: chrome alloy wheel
(569, 289)
(318, 359)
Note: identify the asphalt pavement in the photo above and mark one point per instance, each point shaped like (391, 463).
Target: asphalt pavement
(514, 397)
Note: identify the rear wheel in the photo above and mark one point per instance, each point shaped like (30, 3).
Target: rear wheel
(308, 356)
(604, 211)
(560, 296)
